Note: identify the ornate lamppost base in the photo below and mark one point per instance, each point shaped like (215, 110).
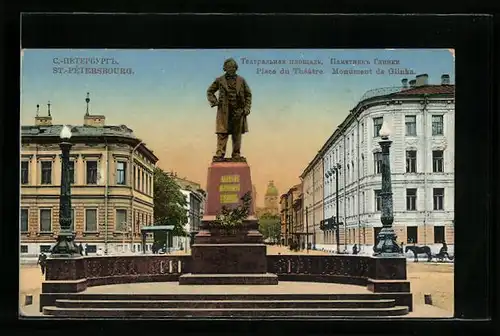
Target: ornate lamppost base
(387, 243)
(65, 245)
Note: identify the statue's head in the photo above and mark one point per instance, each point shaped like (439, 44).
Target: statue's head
(230, 66)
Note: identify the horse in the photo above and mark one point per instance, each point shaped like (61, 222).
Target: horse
(419, 250)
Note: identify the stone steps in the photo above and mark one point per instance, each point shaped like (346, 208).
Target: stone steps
(221, 312)
(225, 304)
(219, 297)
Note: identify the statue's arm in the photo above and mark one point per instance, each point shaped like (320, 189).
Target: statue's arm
(248, 97)
(212, 89)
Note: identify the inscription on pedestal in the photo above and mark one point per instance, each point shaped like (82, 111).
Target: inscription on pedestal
(229, 189)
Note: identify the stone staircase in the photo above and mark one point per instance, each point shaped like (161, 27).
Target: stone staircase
(237, 305)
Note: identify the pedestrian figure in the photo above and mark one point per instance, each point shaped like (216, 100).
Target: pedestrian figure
(443, 252)
(42, 261)
(86, 249)
(355, 249)
(80, 249)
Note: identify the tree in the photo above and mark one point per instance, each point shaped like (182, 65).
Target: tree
(270, 226)
(232, 218)
(169, 205)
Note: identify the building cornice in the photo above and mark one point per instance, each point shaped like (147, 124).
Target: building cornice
(392, 99)
(92, 141)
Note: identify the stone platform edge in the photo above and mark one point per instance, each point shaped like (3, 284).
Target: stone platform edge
(228, 279)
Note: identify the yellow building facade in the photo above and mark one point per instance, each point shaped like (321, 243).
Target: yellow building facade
(112, 186)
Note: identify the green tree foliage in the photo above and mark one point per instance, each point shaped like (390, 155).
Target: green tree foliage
(169, 205)
(270, 226)
(231, 218)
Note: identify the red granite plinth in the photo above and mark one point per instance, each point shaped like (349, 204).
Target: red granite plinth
(227, 183)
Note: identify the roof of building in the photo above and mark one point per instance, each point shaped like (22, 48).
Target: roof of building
(271, 189)
(380, 94)
(427, 89)
(186, 184)
(77, 131)
(47, 132)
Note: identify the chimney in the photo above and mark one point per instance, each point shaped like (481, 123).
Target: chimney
(445, 79)
(412, 83)
(404, 82)
(422, 80)
(43, 120)
(92, 120)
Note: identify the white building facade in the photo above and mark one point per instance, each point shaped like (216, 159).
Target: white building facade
(421, 118)
(194, 209)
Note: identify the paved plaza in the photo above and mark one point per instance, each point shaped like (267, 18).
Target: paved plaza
(425, 278)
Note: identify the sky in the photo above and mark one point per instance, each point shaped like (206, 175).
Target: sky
(161, 95)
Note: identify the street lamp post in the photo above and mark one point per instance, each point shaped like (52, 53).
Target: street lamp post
(337, 233)
(65, 245)
(386, 240)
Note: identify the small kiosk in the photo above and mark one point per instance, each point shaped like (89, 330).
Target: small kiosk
(161, 228)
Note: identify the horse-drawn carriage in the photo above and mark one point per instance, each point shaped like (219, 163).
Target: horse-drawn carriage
(441, 256)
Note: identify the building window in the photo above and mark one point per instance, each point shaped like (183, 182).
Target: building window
(139, 180)
(438, 194)
(91, 172)
(377, 125)
(24, 248)
(72, 172)
(45, 220)
(121, 220)
(24, 172)
(46, 172)
(411, 161)
(121, 172)
(439, 235)
(411, 199)
(135, 177)
(437, 125)
(143, 181)
(377, 161)
(90, 220)
(412, 235)
(24, 220)
(411, 125)
(362, 200)
(378, 200)
(45, 248)
(91, 248)
(362, 170)
(437, 161)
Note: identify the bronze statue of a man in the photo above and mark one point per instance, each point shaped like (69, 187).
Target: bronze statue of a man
(233, 107)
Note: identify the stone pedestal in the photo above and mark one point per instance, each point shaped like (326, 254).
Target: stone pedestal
(235, 256)
(388, 274)
(227, 182)
(64, 275)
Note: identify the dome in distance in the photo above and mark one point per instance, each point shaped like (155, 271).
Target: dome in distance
(271, 189)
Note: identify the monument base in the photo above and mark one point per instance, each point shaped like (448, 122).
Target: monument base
(229, 258)
(228, 279)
